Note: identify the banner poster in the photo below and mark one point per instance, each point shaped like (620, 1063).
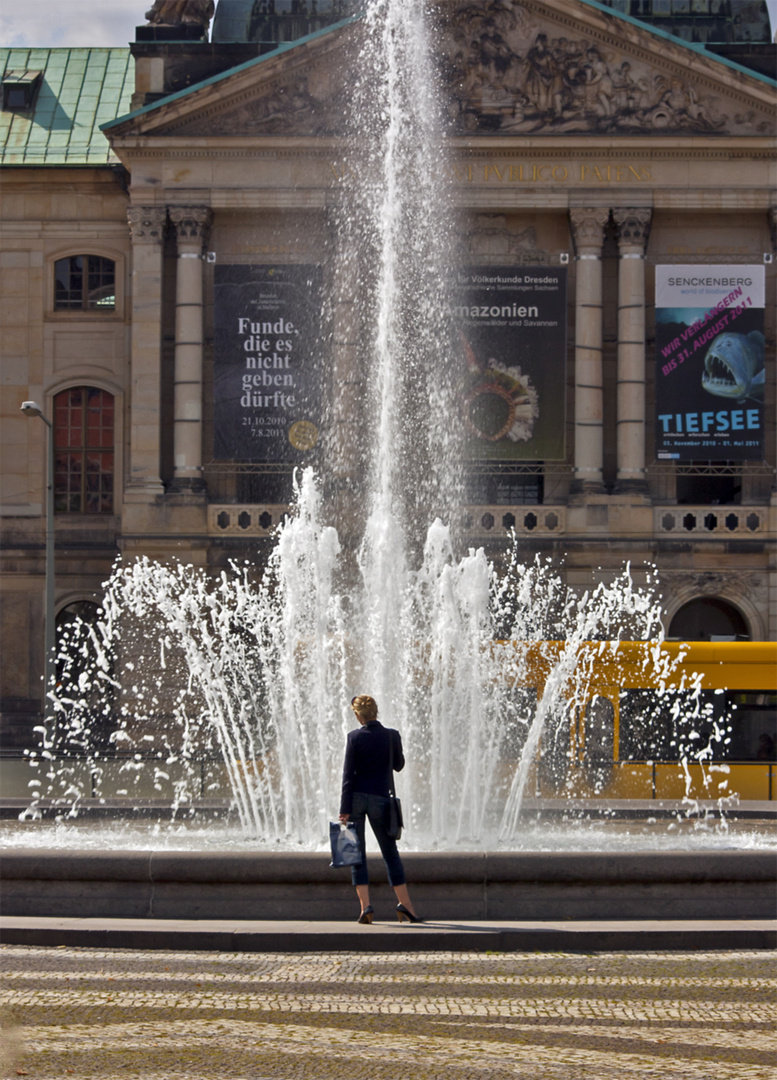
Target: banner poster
(710, 363)
(267, 361)
(513, 324)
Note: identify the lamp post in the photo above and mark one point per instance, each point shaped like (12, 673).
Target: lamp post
(31, 408)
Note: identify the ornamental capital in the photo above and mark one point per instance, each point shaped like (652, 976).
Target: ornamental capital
(147, 224)
(191, 223)
(633, 224)
(588, 225)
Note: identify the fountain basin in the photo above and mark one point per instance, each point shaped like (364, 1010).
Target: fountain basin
(691, 885)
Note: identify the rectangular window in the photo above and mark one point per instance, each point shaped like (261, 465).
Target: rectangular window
(84, 283)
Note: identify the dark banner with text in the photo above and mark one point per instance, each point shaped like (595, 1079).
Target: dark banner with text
(267, 363)
(513, 324)
(710, 363)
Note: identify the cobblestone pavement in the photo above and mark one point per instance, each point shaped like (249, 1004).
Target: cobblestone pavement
(83, 1013)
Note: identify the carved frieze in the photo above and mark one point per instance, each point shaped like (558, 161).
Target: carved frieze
(147, 224)
(290, 109)
(509, 70)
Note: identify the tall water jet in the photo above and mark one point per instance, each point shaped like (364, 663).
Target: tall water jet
(400, 216)
(262, 669)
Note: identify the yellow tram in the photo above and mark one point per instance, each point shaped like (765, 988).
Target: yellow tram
(634, 729)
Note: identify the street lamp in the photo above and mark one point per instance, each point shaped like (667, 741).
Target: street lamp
(31, 408)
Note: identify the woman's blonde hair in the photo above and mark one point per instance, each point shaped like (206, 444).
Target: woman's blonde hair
(365, 706)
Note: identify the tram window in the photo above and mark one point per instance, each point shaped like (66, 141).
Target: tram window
(554, 750)
(520, 707)
(598, 744)
(644, 730)
(668, 726)
(753, 725)
(737, 725)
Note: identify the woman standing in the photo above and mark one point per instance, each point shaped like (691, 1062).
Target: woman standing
(370, 754)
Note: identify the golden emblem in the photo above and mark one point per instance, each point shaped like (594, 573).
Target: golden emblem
(303, 435)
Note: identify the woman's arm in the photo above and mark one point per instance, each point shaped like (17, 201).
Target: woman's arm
(399, 757)
(346, 793)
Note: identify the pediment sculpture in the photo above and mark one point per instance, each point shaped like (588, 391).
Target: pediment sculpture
(180, 12)
(507, 68)
(509, 72)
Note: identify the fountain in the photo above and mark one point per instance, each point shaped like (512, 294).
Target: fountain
(252, 676)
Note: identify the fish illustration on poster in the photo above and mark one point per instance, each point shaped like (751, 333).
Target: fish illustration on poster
(513, 346)
(710, 363)
(267, 371)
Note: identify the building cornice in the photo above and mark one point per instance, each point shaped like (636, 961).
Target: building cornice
(170, 146)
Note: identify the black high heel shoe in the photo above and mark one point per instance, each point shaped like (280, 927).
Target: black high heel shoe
(403, 913)
(366, 915)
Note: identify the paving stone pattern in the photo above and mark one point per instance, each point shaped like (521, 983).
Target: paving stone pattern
(83, 1013)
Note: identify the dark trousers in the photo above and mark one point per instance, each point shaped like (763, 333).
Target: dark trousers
(374, 807)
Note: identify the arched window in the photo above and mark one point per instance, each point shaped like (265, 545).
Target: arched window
(84, 283)
(708, 619)
(83, 448)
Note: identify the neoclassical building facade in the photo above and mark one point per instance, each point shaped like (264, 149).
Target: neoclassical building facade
(583, 143)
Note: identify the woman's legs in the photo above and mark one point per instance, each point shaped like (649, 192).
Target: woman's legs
(359, 876)
(376, 811)
(374, 807)
(404, 898)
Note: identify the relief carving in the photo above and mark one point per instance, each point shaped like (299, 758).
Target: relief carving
(507, 74)
(290, 110)
(505, 71)
(491, 236)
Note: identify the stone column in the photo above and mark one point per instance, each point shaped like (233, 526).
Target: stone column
(588, 233)
(633, 224)
(147, 226)
(191, 226)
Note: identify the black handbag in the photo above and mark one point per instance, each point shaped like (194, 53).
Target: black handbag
(394, 820)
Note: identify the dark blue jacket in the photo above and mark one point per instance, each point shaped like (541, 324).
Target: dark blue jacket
(366, 767)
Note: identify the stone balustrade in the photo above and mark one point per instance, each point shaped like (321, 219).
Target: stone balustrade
(487, 521)
(720, 520)
(234, 519)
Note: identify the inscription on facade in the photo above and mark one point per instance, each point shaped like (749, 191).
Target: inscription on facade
(535, 172)
(553, 173)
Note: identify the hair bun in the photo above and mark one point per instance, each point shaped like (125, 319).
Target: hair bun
(365, 706)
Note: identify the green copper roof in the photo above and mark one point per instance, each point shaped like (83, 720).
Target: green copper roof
(79, 90)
